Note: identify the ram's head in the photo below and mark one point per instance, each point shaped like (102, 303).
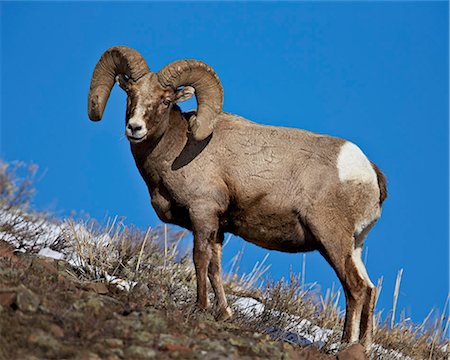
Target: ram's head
(152, 95)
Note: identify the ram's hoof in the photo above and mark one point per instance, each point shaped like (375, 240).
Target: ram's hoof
(224, 314)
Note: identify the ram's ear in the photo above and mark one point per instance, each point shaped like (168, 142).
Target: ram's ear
(123, 81)
(184, 94)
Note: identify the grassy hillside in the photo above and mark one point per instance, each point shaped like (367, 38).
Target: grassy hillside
(75, 289)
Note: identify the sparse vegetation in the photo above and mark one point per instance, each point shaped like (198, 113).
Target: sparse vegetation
(124, 292)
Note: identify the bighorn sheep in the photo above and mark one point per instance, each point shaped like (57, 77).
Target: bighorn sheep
(213, 172)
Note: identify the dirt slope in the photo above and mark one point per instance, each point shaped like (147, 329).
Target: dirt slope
(47, 313)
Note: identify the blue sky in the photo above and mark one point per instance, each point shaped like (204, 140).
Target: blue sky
(373, 73)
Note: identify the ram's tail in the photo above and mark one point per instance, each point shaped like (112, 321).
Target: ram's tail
(381, 183)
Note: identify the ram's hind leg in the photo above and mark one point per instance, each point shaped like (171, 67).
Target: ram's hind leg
(339, 251)
(371, 291)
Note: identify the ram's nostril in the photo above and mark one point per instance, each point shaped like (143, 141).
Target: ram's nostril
(134, 128)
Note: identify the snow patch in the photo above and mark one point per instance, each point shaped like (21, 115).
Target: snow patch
(47, 252)
(249, 306)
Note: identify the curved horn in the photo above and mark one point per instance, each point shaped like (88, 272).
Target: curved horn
(208, 90)
(114, 61)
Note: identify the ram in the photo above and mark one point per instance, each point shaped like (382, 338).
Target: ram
(213, 172)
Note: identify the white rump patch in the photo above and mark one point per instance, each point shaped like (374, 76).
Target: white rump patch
(352, 164)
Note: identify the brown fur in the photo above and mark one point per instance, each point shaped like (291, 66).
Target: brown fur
(382, 183)
(276, 187)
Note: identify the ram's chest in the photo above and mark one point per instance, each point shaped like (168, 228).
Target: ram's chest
(167, 209)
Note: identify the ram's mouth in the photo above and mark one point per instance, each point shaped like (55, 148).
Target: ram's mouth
(136, 140)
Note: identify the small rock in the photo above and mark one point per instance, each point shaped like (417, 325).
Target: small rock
(88, 355)
(141, 352)
(122, 331)
(164, 338)
(113, 357)
(118, 352)
(99, 288)
(175, 347)
(79, 304)
(134, 324)
(176, 355)
(27, 300)
(7, 298)
(95, 305)
(237, 342)
(211, 345)
(43, 309)
(144, 337)
(56, 331)
(44, 341)
(170, 343)
(114, 343)
(99, 348)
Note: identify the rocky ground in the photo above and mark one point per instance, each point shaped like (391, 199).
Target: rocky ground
(47, 312)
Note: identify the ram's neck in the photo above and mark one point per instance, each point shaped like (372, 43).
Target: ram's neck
(156, 156)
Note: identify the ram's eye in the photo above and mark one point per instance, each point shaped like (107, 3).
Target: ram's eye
(166, 102)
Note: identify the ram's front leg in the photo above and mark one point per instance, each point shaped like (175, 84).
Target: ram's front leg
(205, 227)
(202, 256)
(215, 277)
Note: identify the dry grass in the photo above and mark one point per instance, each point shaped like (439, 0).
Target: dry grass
(288, 303)
(150, 263)
(116, 251)
(20, 225)
(16, 185)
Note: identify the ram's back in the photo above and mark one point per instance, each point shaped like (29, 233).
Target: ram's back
(265, 161)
